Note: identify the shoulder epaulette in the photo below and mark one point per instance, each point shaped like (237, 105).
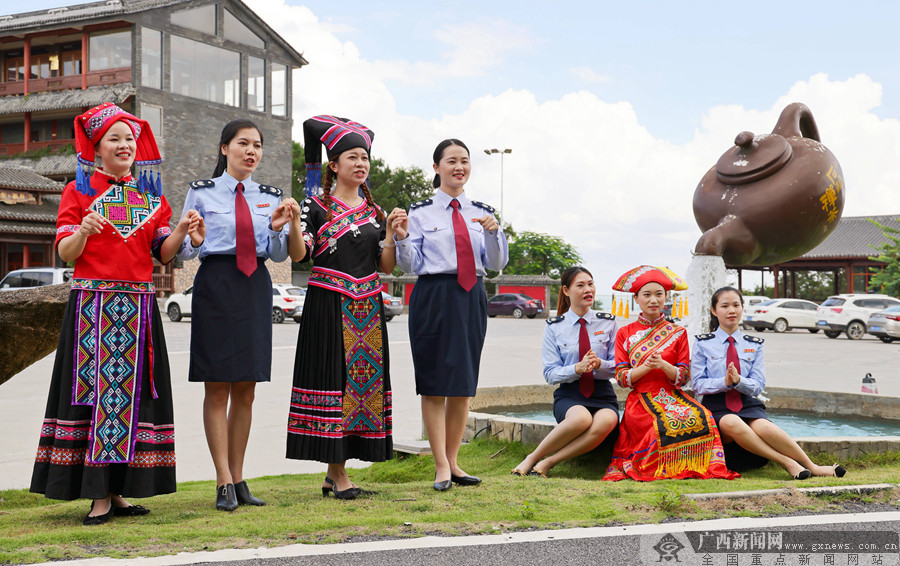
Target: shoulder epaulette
(202, 184)
(269, 189)
(487, 207)
(756, 339)
(555, 319)
(706, 336)
(424, 202)
(606, 315)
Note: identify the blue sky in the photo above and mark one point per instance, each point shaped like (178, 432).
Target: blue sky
(614, 110)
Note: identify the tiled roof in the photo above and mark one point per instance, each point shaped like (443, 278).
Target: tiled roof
(48, 166)
(46, 212)
(12, 227)
(57, 100)
(80, 12)
(854, 236)
(14, 177)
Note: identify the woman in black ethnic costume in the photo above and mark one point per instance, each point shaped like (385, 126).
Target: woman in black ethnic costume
(341, 398)
(231, 328)
(108, 430)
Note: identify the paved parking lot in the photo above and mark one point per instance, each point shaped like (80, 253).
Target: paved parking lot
(512, 357)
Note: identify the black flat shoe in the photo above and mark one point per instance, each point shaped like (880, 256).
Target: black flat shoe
(360, 490)
(465, 480)
(98, 519)
(443, 485)
(130, 511)
(839, 471)
(226, 500)
(242, 492)
(803, 475)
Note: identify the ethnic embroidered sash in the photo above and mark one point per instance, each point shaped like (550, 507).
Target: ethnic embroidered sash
(344, 221)
(125, 207)
(112, 344)
(363, 400)
(344, 284)
(659, 337)
(683, 431)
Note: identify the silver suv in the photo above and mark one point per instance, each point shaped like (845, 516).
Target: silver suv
(849, 313)
(31, 277)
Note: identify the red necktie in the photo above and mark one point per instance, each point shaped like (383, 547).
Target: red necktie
(245, 242)
(733, 396)
(465, 257)
(586, 381)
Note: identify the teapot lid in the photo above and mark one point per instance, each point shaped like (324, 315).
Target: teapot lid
(753, 158)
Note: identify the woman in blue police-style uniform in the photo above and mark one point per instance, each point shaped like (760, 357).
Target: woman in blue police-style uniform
(579, 356)
(728, 369)
(231, 326)
(449, 241)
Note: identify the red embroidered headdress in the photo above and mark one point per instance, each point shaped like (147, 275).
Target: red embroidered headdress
(632, 280)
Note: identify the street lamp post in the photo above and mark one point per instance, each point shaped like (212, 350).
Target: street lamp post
(501, 152)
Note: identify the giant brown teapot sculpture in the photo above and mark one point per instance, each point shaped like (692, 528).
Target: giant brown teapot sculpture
(771, 197)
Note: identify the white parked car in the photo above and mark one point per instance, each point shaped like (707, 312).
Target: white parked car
(782, 315)
(30, 277)
(287, 301)
(885, 325)
(849, 313)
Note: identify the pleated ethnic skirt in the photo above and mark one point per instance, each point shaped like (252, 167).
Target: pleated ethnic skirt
(60, 469)
(447, 327)
(231, 322)
(341, 396)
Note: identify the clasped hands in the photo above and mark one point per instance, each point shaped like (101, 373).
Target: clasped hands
(589, 362)
(732, 377)
(193, 225)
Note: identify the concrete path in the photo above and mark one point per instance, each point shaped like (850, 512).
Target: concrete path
(512, 356)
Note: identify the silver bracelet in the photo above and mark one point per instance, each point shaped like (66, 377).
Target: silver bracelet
(383, 245)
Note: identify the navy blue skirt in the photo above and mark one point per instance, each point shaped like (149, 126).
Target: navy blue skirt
(737, 458)
(231, 322)
(447, 326)
(567, 396)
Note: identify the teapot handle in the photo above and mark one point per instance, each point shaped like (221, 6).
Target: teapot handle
(796, 120)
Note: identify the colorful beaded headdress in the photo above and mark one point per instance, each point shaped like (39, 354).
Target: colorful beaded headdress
(338, 135)
(89, 130)
(632, 280)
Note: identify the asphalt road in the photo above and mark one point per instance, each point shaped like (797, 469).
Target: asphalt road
(512, 357)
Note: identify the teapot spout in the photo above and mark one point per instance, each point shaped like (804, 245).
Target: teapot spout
(796, 121)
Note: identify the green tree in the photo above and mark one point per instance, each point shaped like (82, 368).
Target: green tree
(298, 171)
(887, 279)
(532, 253)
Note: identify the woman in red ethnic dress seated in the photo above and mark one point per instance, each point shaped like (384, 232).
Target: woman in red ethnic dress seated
(664, 433)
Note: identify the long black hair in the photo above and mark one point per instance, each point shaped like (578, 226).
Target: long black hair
(565, 281)
(713, 320)
(228, 132)
(439, 153)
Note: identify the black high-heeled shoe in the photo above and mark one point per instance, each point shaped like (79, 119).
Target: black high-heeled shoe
(226, 500)
(361, 491)
(349, 493)
(242, 493)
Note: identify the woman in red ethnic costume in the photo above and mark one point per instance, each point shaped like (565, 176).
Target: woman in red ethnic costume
(108, 429)
(664, 433)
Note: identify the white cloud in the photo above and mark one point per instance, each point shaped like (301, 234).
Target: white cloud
(581, 168)
(589, 75)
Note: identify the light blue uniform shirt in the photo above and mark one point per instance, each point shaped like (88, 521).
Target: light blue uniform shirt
(216, 205)
(708, 365)
(560, 350)
(430, 247)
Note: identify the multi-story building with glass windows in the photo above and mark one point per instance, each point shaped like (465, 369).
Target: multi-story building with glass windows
(185, 66)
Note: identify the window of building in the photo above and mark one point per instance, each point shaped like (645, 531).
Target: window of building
(256, 84)
(40, 62)
(202, 18)
(65, 129)
(204, 71)
(151, 58)
(109, 50)
(237, 31)
(12, 133)
(153, 115)
(279, 89)
(861, 276)
(70, 60)
(41, 130)
(13, 66)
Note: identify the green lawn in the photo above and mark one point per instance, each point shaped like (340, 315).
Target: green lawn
(35, 529)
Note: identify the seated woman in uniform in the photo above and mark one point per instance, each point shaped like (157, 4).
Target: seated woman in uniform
(664, 433)
(578, 356)
(728, 370)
